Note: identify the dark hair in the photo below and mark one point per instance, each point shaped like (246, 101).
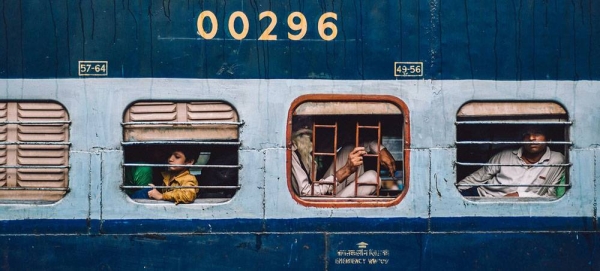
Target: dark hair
(190, 152)
(538, 129)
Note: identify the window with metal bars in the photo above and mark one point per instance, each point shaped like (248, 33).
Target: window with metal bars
(327, 132)
(512, 149)
(210, 129)
(34, 151)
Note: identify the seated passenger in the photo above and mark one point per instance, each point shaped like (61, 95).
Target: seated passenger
(178, 175)
(142, 175)
(349, 161)
(529, 154)
(137, 176)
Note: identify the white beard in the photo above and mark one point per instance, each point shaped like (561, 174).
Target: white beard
(305, 147)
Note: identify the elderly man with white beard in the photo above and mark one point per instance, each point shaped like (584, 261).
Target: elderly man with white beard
(349, 160)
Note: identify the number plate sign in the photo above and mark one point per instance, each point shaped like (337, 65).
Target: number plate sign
(93, 68)
(408, 69)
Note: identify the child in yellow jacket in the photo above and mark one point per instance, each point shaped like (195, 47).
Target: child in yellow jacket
(178, 175)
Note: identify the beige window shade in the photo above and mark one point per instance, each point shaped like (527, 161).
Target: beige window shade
(147, 121)
(350, 108)
(36, 151)
(504, 109)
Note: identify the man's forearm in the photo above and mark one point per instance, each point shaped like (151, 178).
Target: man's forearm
(343, 173)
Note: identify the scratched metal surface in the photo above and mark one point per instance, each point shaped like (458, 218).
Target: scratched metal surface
(96, 153)
(302, 251)
(470, 50)
(520, 40)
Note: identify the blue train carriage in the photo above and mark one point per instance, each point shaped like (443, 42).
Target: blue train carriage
(92, 89)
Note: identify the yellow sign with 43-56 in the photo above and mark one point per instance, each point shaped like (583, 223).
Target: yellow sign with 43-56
(296, 22)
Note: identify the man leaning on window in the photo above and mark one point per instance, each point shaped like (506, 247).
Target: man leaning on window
(519, 167)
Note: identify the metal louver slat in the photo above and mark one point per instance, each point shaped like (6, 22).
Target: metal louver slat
(152, 112)
(3, 137)
(154, 118)
(28, 165)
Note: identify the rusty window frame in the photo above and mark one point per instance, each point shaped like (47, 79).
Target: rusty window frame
(339, 104)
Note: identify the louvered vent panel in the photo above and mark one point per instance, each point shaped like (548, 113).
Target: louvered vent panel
(40, 145)
(3, 137)
(152, 112)
(180, 113)
(210, 112)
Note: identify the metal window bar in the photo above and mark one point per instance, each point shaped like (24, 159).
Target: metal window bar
(515, 185)
(173, 165)
(357, 143)
(63, 122)
(479, 122)
(513, 165)
(355, 199)
(313, 172)
(236, 187)
(5, 143)
(40, 166)
(240, 123)
(131, 143)
(41, 124)
(513, 122)
(514, 142)
(21, 188)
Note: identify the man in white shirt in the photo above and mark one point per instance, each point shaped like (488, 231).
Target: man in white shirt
(520, 167)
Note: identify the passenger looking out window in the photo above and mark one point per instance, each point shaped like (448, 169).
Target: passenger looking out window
(178, 175)
(526, 166)
(528, 145)
(210, 128)
(340, 179)
(348, 150)
(143, 174)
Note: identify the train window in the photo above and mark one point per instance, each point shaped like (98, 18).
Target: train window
(207, 131)
(34, 151)
(495, 156)
(348, 150)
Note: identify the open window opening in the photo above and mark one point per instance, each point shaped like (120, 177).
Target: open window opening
(206, 132)
(512, 149)
(328, 132)
(34, 152)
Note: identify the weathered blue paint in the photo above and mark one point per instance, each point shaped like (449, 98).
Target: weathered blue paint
(432, 227)
(301, 251)
(471, 50)
(489, 40)
(324, 225)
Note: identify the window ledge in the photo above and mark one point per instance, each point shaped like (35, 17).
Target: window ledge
(197, 201)
(511, 199)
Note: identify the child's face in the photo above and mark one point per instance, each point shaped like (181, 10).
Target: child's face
(178, 158)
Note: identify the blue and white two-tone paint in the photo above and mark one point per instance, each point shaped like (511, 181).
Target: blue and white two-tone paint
(96, 58)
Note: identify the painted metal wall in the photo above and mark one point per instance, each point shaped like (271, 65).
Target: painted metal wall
(469, 50)
(491, 40)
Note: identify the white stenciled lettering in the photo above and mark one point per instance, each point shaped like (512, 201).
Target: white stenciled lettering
(350, 261)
